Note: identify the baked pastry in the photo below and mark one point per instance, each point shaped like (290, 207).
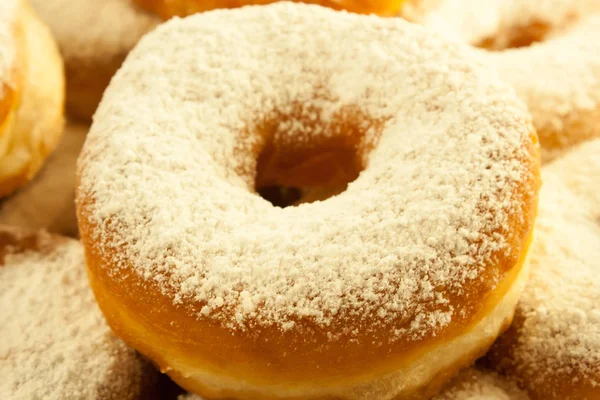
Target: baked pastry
(94, 38)
(546, 50)
(383, 291)
(553, 348)
(31, 95)
(55, 343)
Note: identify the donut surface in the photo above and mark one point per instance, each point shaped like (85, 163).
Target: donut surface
(546, 50)
(31, 95)
(94, 38)
(55, 343)
(553, 348)
(170, 8)
(382, 291)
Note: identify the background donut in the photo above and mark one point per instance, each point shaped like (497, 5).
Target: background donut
(290, 110)
(31, 95)
(55, 343)
(170, 8)
(94, 38)
(545, 49)
(553, 347)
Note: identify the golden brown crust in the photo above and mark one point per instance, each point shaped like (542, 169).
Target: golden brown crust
(170, 8)
(36, 123)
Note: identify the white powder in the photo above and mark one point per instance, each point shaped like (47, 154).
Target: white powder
(92, 30)
(472, 21)
(481, 384)
(55, 343)
(558, 79)
(559, 337)
(171, 175)
(8, 14)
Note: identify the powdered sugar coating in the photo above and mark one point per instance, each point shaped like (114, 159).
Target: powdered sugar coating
(470, 384)
(91, 30)
(389, 246)
(481, 384)
(473, 21)
(55, 343)
(558, 319)
(8, 14)
(559, 79)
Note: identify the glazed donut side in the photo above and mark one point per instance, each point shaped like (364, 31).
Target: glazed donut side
(325, 373)
(34, 125)
(480, 383)
(565, 113)
(171, 8)
(296, 343)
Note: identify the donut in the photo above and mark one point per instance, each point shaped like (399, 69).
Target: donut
(171, 8)
(48, 201)
(383, 291)
(55, 343)
(31, 95)
(94, 38)
(535, 45)
(553, 348)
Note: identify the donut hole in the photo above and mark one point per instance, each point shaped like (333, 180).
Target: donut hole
(281, 196)
(307, 157)
(517, 37)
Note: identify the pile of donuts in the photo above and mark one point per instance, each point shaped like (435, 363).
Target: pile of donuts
(275, 200)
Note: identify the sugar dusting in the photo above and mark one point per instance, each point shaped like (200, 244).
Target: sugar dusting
(481, 384)
(8, 14)
(565, 110)
(473, 21)
(55, 343)
(559, 338)
(92, 30)
(171, 173)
